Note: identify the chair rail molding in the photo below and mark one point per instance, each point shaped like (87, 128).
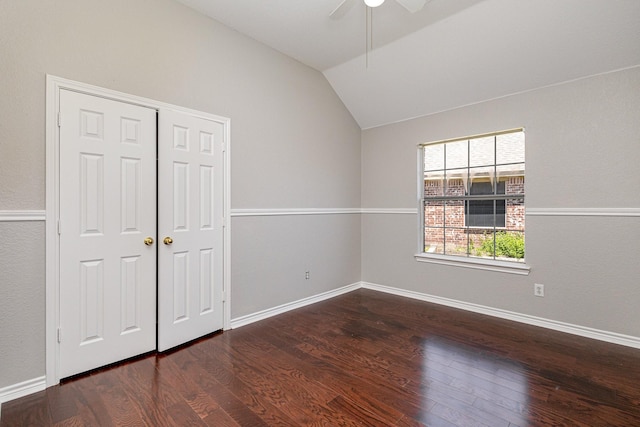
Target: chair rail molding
(601, 212)
(320, 211)
(22, 215)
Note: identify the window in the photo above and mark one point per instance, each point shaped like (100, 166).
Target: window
(480, 213)
(472, 197)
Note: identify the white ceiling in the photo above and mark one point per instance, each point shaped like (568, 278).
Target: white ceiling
(449, 54)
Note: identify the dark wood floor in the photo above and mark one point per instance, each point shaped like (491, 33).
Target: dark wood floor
(364, 358)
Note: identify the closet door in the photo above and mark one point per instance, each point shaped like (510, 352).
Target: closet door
(190, 180)
(107, 230)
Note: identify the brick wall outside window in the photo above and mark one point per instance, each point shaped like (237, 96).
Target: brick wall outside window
(515, 207)
(438, 215)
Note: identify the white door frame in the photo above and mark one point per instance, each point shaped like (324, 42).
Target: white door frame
(52, 191)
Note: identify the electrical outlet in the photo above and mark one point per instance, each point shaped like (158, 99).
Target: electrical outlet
(538, 290)
(307, 276)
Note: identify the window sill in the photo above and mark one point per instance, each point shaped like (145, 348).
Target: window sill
(477, 263)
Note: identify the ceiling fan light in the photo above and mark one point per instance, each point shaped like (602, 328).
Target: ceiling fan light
(373, 3)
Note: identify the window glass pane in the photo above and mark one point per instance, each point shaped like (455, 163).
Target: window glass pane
(477, 237)
(514, 185)
(510, 148)
(454, 213)
(510, 245)
(457, 155)
(434, 157)
(484, 187)
(434, 213)
(484, 172)
(482, 151)
(505, 171)
(500, 245)
(455, 187)
(485, 213)
(434, 240)
(515, 214)
(482, 244)
(433, 188)
(455, 241)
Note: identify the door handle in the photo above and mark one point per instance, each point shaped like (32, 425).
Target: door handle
(168, 240)
(148, 241)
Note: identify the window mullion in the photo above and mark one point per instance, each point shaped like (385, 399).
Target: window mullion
(478, 197)
(495, 191)
(467, 191)
(445, 189)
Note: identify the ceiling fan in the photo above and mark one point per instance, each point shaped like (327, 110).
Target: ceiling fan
(411, 5)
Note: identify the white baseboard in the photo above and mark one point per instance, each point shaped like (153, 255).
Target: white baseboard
(21, 389)
(264, 314)
(583, 331)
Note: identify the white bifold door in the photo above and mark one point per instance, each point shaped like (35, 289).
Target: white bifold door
(107, 210)
(140, 230)
(190, 225)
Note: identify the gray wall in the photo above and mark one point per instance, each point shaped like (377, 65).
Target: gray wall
(582, 151)
(294, 145)
(21, 301)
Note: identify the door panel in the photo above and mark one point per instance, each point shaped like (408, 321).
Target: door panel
(190, 267)
(107, 208)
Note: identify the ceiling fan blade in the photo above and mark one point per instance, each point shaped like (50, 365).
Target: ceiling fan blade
(342, 9)
(412, 5)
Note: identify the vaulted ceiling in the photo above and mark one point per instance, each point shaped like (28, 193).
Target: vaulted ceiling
(449, 54)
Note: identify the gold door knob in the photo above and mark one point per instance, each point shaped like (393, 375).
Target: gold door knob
(148, 241)
(168, 240)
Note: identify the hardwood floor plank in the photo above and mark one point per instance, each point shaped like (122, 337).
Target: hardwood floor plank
(74, 421)
(458, 417)
(373, 398)
(220, 418)
(301, 398)
(363, 358)
(444, 398)
(181, 414)
(356, 412)
(407, 421)
(368, 397)
(32, 410)
(221, 386)
(65, 403)
(199, 401)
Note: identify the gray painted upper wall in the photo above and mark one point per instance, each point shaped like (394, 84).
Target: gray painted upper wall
(286, 121)
(293, 145)
(582, 151)
(582, 144)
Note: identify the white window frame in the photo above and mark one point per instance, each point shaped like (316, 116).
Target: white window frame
(458, 261)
